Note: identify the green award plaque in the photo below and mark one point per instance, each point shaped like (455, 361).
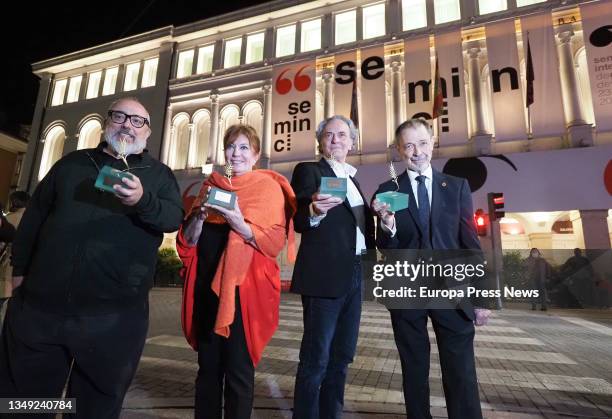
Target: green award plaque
(335, 186)
(396, 200)
(108, 177)
(222, 198)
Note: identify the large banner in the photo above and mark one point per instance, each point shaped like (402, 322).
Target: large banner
(373, 114)
(597, 27)
(504, 74)
(293, 112)
(417, 63)
(345, 71)
(453, 124)
(547, 117)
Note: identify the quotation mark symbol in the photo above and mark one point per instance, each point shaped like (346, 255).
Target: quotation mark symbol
(300, 81)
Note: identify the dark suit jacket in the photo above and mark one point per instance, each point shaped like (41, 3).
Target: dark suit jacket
(452, 219)
(325, 260)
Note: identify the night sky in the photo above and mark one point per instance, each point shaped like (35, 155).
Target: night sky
(34, 31)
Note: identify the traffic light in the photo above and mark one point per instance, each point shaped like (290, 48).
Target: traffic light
(481, 222)
(496, 205)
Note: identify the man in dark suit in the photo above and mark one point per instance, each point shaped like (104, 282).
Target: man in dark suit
(439, 216)
(327, 271)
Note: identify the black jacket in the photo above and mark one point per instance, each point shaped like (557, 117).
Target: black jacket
(325, 260)
(452, 223)
(7, 230)
(80, 249)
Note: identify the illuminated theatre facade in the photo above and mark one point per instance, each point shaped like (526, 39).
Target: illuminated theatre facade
(284, 66)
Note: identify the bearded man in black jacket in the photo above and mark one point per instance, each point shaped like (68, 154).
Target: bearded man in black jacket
(83, 264)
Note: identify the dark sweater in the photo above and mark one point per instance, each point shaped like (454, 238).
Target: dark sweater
(80, 249)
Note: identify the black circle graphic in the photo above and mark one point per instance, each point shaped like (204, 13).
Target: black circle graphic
(470, 168)
(601, 37)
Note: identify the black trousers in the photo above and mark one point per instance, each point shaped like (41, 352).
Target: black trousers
(226, 372)
(455, 338)
(38, 349)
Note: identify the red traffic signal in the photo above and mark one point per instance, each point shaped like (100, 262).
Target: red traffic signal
(496, 205)
(481, 222)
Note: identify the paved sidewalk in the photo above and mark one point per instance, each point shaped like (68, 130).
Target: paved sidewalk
(530, 365)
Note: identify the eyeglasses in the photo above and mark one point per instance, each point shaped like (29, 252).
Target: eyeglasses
(119, 117)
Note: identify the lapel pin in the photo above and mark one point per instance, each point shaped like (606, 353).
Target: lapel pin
(444, 184)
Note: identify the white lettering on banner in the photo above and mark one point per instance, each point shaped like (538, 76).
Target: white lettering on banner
(597, 25)
(504, 75)
(293, 112)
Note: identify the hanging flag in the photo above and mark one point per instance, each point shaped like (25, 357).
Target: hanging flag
(530, 76)
(354, 105)
(438, 97)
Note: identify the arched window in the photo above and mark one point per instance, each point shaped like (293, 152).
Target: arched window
(230, 115)
(198, 153)
(54, 145)
(586, 99)
(253, 115)
(89, 136)
(179, 142)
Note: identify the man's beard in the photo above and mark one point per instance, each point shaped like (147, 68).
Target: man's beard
(125, 148)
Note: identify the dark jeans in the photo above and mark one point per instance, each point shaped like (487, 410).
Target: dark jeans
(225, 359)
(331, 326)
(455, 338)
(38, 349)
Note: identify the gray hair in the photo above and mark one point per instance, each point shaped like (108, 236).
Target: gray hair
(412, 123)
(354, 133)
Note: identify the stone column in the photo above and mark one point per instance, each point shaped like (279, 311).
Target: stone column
(214, 129)
(579, 131)
(396, 88)
(328, 103)
(266, 135)
(481, 139)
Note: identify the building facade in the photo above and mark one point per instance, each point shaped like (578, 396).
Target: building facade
(283, 66)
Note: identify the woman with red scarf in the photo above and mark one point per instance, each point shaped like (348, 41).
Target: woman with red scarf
(231, 294)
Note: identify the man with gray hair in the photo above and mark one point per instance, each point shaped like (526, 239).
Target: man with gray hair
(327, 271)
(439, 216)
(83, 264)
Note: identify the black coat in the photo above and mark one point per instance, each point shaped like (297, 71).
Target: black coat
(325, 260)
(81, 250)
(452, 219)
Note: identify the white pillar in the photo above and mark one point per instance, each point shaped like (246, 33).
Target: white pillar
(214, 129)
(192, 150)
(266, 136)
(569, 81)
(396, 87)
(167, 137)
(328, 103)
(475, 92)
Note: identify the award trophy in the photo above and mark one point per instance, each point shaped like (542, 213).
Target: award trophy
(109, 176)
(335, 186)
(396, 200)
(221, 197)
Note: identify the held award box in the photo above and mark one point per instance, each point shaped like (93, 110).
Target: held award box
(396, 200)
(335, 186)
(221, 197)
(108, 177)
